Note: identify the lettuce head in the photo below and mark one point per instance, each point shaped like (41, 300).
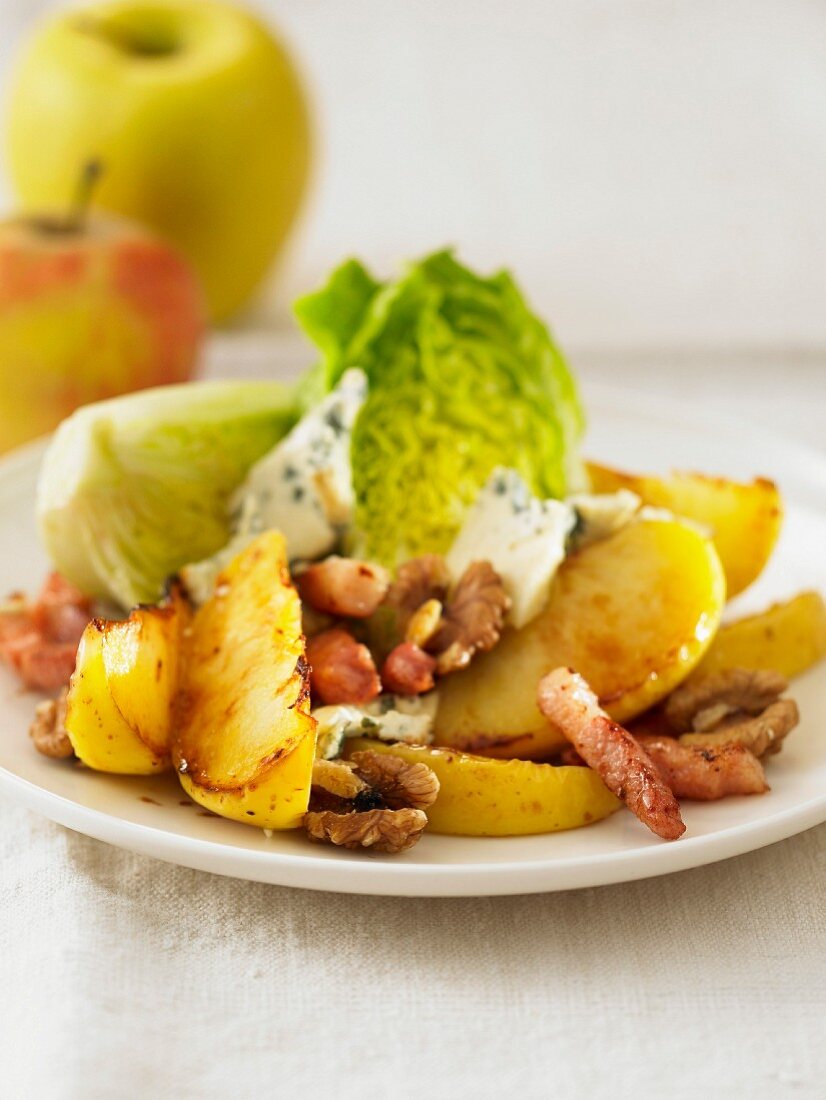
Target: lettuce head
(463, 377)
(133, 488)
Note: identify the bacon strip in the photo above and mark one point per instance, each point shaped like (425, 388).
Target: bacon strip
(567, 701)
(39, 639)
(705, 774)
(341, 669)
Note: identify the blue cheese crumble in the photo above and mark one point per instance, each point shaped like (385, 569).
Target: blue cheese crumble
(599, 515)
(408, 719)
(303, 487)
(523, 538)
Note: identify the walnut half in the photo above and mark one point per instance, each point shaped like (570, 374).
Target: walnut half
(48, 728)
(738, 706)
(399, 783)
(386, 813)
(736, 689)
(337, 778)
(472, 619)
(763, 733)
(382, 830)
(417, 581)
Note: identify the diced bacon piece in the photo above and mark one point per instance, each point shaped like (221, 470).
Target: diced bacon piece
(344, 587)
(408, 670)
(61, 611)
(47, 666)
(39, 639)
(341, 669)
(705, 774)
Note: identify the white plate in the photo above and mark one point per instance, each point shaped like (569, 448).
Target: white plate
(152, 816)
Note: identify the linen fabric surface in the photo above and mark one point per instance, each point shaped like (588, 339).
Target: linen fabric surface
(127, 977)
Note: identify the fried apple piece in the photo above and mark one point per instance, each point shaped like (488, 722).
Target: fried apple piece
(119, 706)
(744, 518)
(478, 796)
(634, 614)
(789, 637)
(244, 738)
(568, 702)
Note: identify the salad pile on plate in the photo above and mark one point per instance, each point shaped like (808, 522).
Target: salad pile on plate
(395, 596)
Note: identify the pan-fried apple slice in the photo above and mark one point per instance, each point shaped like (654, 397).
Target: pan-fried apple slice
(244, 739)
(633, 614)
(789, 637)
(744, 517)
(479, 796)
(119, 707)
(141, 657)
(277, 800)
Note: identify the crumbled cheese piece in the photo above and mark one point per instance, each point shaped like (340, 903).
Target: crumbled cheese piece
(521, 536)
(407, 718)
(334, 724)
(303, 487)
(388, 718)
(599, 515)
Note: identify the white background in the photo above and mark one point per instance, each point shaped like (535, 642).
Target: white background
(654, 171)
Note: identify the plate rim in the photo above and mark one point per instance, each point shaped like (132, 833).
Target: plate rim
(372, 874)
(381, 876)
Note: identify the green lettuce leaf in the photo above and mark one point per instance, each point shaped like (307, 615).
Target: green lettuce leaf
(463, 377)
(134, 488)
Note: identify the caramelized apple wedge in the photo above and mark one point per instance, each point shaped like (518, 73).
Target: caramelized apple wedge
(744, 518)
(244, 739)
(633, 614)
(788, 637)
(119, 708)
(483, 797)
(141, 660)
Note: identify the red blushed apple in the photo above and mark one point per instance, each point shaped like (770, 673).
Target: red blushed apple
(89, 308)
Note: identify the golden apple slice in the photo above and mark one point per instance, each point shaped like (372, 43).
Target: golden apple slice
(789, 637)
(100, 735)
(744, 518)
(633, 614)
(244, 739)
(479, 796)
(141, 659)
(119, 708)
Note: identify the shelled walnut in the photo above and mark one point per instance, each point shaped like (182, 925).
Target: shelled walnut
(737, 706)
(48, 728)
(385, 813)
(472, 619)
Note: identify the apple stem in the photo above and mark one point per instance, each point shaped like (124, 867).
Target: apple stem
(79, 206)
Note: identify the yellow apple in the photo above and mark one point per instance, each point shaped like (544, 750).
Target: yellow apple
(88, 309)
(197, 114)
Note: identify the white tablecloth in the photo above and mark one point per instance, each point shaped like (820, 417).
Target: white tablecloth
(126, 977)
